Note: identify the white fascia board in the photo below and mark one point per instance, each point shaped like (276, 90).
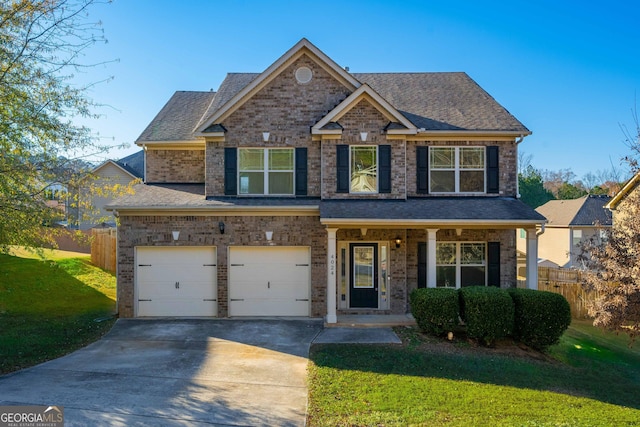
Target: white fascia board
(421, 223)
(361, 93)
(216, 210)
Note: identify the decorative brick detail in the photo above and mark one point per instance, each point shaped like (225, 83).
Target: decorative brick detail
(175, 166)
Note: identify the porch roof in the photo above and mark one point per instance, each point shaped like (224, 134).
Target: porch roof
(431, 211)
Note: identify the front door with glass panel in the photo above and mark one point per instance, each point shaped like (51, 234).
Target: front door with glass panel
(363, 286)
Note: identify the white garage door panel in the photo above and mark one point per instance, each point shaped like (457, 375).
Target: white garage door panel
(269, 281)
(176, 281)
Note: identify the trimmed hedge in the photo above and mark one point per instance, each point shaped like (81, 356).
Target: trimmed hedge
(541, 317)
(436, 310)
(488, 313)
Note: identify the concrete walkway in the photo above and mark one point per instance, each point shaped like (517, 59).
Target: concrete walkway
(185, 373)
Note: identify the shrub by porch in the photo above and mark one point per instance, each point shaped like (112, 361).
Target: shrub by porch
(535, 318)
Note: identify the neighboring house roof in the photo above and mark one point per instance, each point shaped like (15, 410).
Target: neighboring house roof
(586, 211)
(450, 210)
(133, 163)
(178, 118)
(624, 192)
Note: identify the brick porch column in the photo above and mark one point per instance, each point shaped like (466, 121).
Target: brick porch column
(332, 294)
(532, 259)
(431, 257)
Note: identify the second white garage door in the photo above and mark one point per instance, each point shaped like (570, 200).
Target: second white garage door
(269, 281)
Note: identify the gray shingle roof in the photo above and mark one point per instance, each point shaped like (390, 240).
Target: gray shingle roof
(186, 196)
(442, 101)
(434, 101)
(585, 211)
(133, 163)
(230, 86)
(179, 116)
(432, 208)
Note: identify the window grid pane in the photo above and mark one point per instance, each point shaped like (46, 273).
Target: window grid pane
(364, 173)
(257, 171)
(443, 158)
(472, 158)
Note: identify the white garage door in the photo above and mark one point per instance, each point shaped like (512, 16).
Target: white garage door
(176, 281)
(269, 281)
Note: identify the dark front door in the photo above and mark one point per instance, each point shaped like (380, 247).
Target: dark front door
(363, 286)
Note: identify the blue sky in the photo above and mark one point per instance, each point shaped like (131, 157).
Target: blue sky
(568, 70)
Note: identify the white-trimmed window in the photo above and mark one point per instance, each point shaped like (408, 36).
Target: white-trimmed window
(460, 264)
(363, 168)
(457, 170)
(265, 171)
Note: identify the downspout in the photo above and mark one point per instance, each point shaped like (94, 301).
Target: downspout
(518, 141)
(541, 231)
(144, 172)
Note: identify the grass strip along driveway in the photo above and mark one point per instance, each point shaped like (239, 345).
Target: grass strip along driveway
(51, 307)
(589, 379)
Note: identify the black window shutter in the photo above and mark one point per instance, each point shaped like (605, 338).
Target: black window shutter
(493, 264)
(230, 171)
(301, 171)
(342, 167)
(422, 169)
(422, 264)
(384, 169)
(493, 177)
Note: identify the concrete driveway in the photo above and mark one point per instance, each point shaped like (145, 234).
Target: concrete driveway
(177, 373)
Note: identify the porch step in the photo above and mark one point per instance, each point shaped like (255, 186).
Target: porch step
(372, 320)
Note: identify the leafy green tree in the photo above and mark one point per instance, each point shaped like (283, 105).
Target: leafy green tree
(532, 190)
(568, 191)
(41, 43)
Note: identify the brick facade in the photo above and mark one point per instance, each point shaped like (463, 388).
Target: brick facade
(288, 110)
(203, 231)
(175, 166)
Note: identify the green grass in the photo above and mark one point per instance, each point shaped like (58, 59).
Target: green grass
(588, 379)
(51, 307)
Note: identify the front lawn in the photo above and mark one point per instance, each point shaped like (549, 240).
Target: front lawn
(588, 379)
(51, 307)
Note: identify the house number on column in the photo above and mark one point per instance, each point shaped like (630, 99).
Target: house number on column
(332, 268)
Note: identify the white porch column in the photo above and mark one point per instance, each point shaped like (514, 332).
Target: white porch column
(332, 262)
(431, 257)
(532, 259)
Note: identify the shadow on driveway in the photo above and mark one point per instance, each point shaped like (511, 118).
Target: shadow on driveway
(178, 372)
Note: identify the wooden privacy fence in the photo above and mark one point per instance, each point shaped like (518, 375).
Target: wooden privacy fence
(568, 283)
(103, 248)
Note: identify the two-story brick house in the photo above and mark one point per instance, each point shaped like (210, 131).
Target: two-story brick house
(306, 190)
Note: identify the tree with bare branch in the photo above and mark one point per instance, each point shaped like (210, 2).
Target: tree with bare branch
(614, 267)
(42, 47)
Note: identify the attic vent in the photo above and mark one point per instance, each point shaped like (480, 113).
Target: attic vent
(304, 75)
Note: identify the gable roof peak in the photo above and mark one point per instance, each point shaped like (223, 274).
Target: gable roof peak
(304, 46)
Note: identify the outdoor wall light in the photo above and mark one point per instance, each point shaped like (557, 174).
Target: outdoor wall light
(363, 136)
(398, 242)
(265, 136)
(176, 235)
(221, 227)
(269, 235)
